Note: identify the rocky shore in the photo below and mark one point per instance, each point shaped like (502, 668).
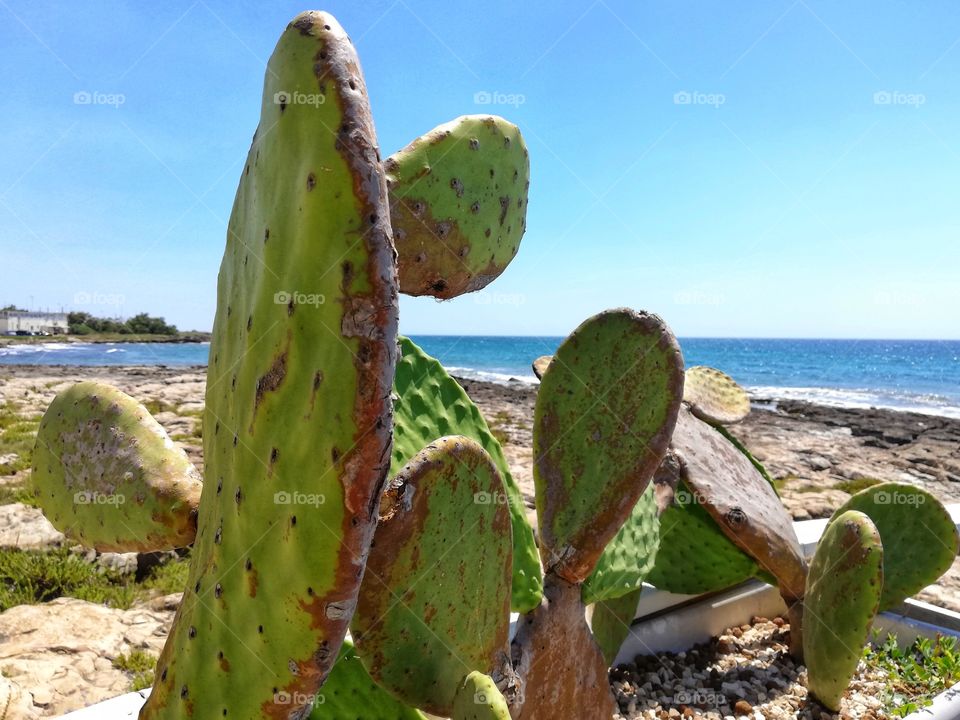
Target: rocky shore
(817, 455)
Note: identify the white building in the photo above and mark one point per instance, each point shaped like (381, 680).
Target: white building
(26, 322)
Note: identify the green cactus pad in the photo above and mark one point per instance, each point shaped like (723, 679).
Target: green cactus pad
(740, 501)
(611, 623)
(604, 416)
(458, 205)
(428, 403)
(714, 396)
(563, 670)
(843, 594)
(350, 693)
(694, 555)
(435, 603)
(540, 365)
(629, 557)
(297, 423)
(107, 475)
(479, 699)
(919, 537)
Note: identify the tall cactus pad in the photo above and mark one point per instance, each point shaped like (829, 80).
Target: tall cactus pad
(694, 555)
(715, 396)
(350, 693)
(562, 667)
(627, 558)
(428, 404)
(740, 501)
(107, 475)
(435, 603)
(298, 413)
(843, 594)
(611, 623)
(458, 205)
(479, 699)
(919, 537)
(604, 416)
(540, 365)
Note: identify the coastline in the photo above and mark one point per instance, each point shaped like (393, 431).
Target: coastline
(97, 338)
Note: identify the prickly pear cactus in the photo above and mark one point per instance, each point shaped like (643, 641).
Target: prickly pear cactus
(919, 537)
(540, 365)
(611, 622)
(108, 476)
(428, 403)
(714, 396)
(479, 699)
(298, 417)
(350, 693)
(435, 603)
(842, 598)
(604, 416)
(458, 205)
(629, 557)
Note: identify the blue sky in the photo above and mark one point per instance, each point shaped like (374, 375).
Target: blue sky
(769, 169)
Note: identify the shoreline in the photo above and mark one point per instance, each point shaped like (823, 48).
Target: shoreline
(94, 339)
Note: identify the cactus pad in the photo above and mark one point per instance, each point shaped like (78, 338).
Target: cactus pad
(479, 699)
(740, 501)
(458, 205)
(350, 693)
(843, 594)
(428, 403)
(611, 623)
(563, 670)
(714, 396)
(540, 365)
(107, 475)
(435, 603)
(604, 416)
(919, 537)
(298, 415)
(627, 558)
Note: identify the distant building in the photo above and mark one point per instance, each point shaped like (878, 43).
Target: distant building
(26, 322)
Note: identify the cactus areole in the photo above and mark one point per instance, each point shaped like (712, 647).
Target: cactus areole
(298, 411)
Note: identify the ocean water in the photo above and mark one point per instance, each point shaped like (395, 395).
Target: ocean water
(922, 376)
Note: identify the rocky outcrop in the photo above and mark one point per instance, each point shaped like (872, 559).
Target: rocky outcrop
(25, 527)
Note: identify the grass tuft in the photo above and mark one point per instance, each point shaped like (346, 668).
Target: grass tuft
(140, 666)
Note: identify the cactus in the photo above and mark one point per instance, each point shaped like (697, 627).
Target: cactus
(540, 365)
(919, 537)
(629, 556)
(458, 203)
(479, 699)
(842, 597)
(435, 604)
(428, 404)
(714, 396)
(596, 447)
(611, 622)
(298, 399)
(107, 475)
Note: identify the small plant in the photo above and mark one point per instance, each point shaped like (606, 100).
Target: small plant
(139, 665)
(917, 674)
(855, 485)
(27, 578)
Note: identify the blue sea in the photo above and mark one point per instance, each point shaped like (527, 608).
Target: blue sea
(922, 376)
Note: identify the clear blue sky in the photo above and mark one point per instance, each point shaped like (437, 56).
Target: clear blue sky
(787, 198)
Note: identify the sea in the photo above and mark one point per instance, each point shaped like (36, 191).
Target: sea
(920, 376)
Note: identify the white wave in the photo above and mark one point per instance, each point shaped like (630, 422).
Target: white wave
(862, 399)
(490, 376)
(36, 348)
